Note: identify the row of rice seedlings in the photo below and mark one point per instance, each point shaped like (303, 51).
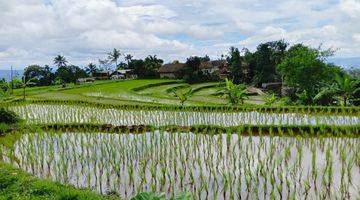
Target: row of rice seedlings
(44, 114)
(266, 109)
(223, 166)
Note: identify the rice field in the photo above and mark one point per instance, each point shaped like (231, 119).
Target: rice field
(209, 166)
(47, 114)
(208, 152)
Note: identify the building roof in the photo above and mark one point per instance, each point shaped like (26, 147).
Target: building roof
(171, 68)
(212, 64)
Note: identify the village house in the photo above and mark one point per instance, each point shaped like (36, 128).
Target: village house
(122, 74)
(171, 70)
(215, 67)
(101, 75)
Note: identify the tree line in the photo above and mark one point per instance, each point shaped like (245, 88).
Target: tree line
(306, 76)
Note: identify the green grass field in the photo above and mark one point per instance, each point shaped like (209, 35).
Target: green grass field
(147, 91)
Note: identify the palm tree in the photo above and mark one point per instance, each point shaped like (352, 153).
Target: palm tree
(60, 61)
(183, 96)
(25, 83)
(346, 87)
(91, 68)
(236, 94)
(128, 58)
(114, 56)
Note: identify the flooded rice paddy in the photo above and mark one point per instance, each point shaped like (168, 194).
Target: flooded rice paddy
(223, 166)
(41, 113)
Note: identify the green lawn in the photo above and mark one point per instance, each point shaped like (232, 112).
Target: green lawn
(122, 92)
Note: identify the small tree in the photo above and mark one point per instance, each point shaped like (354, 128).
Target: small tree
(183, 96)
(4, 90)
(235, 94)
(26, 83)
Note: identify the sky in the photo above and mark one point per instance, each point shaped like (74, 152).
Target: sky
(35, 31)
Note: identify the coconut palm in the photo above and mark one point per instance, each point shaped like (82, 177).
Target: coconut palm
(91, 68)
(128, 58)
(236, 94)
(60, 61)
(114, 56)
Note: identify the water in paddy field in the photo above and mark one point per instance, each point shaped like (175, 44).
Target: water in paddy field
(220, 166)
(40, 113)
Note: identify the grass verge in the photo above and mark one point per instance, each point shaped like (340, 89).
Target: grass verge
(16, 184)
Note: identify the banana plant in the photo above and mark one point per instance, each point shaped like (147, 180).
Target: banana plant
(26, 83)
(183, 96)
(235, 94)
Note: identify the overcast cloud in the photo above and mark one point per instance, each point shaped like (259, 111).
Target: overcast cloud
(35, 31)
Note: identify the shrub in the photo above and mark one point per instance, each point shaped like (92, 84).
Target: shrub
(8, 117)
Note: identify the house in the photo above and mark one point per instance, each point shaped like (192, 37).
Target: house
(101, 75)
(171, 70)
(218, 67)
(123, 74)
(274, 87)
(85, 80)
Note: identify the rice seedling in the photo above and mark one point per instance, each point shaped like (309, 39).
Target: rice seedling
(246, 162)
(67, 113)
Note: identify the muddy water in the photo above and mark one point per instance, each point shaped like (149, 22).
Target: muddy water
(36, 113)
(208, 166)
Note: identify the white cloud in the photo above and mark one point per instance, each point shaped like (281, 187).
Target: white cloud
(351, 7)
(33, 31)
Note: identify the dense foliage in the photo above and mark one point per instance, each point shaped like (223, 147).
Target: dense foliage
(257, 67)
(192, 73)
(147, 68)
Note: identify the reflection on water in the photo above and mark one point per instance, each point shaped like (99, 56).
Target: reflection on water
(221, 166)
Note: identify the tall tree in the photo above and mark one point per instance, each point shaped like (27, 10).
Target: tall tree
(263, 61)
(235, 65)
(152, 64)
(40, 75)
(305, 69)
(70, 74)
(114, 56)
(138, 66)
(60, 61)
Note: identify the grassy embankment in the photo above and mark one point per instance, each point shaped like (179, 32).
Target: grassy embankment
(148, 91)
(17, 184)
